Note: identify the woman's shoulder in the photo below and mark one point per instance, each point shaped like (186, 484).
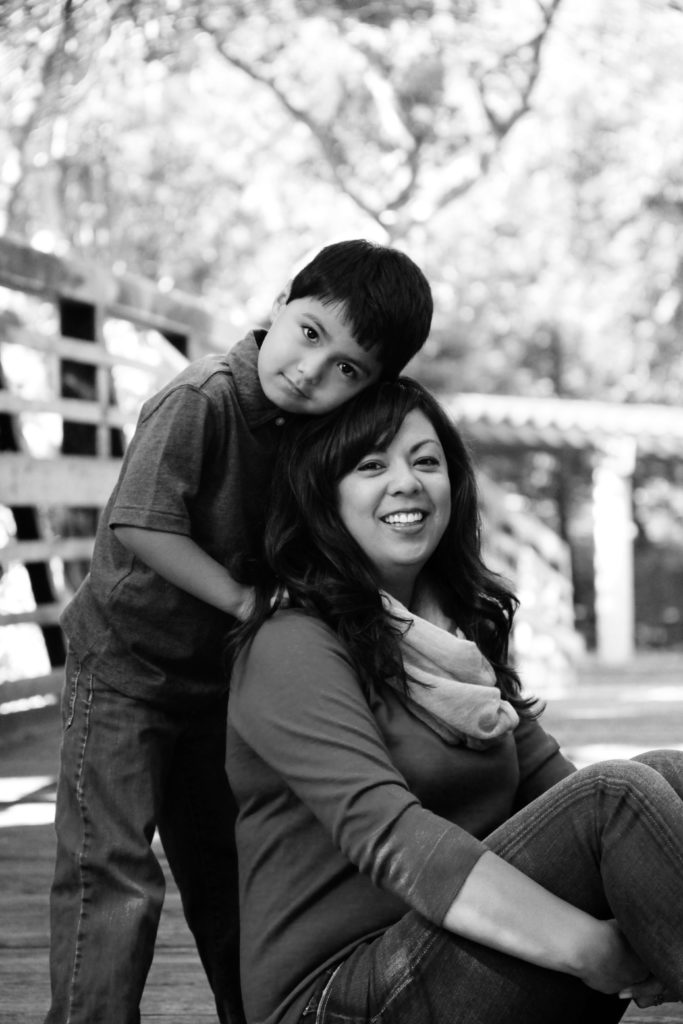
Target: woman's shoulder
(287, 657)
(293, 622)
(291, 632)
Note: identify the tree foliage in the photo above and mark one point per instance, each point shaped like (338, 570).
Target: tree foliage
(527, 155)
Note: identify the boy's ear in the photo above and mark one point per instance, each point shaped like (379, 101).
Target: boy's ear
(280, 300)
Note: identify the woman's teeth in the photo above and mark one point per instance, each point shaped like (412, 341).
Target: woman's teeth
(403, 518)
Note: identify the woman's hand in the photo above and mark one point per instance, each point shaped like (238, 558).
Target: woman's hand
(610, 964)
(651, 992)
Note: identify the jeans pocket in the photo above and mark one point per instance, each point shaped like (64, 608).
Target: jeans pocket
(72, 673)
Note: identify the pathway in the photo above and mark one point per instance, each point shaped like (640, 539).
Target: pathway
(607, 714)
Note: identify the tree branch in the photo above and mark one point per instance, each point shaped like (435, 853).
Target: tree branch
(332, 150)
(501, 126)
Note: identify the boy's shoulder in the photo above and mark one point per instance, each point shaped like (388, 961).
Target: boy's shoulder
(220, 375)
(239, 363)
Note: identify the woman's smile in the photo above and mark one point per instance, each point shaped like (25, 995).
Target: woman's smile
(405, 520)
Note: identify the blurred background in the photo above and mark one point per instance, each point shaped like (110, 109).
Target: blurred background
(528, 156)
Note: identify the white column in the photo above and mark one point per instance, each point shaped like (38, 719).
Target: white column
(613, 535)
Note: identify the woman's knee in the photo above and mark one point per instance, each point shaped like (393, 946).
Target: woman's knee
(640, 781)
(667, 763)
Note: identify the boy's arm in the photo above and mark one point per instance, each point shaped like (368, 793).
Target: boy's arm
(182, 562)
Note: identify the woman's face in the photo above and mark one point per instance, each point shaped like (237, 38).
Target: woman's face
(396, 504)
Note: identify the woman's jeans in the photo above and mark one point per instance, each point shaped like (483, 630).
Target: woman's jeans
(126, 768)
(608, 839)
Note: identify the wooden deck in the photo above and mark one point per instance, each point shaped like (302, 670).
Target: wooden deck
(177, 991)
(634, 713)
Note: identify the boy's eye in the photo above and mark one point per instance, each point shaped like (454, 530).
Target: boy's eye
(347, 369)
(310, 333)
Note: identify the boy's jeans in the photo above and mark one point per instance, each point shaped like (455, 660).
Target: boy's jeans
(126, 768)
(608, 839)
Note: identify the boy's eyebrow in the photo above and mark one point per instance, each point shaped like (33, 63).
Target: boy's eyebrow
(356, 360)
(317, 323)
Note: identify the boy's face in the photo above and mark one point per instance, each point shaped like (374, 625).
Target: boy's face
(310, 362)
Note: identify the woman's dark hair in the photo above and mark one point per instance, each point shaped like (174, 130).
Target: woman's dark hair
(312, 557)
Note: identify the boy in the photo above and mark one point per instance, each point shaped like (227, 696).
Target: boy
(175, 556)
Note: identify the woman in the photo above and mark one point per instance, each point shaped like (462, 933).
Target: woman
(413, 847)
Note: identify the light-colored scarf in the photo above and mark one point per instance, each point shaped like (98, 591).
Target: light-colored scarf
(451, 686)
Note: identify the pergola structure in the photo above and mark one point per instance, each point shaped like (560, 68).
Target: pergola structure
(616, 435)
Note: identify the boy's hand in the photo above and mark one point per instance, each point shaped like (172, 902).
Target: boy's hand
(246, 605)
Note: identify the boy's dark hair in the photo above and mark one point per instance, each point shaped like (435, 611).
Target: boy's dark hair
(386, 297)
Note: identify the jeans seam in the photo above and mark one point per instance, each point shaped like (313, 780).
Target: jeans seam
(518, 840)
(325, 994)
(72, 689)
(409, 976)
(83, 852)
(395, 992)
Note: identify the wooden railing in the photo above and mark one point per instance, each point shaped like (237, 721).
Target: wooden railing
(79, 352)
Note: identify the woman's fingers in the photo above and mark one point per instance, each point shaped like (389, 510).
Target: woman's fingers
(650, 992)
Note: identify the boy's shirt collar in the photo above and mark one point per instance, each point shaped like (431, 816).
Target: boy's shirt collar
(243, 358)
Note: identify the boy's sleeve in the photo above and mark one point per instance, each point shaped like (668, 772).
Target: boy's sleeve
(164, 464)
(296, 701)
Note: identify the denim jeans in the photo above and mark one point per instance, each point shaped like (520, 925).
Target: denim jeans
(608, 839)
(126, 768)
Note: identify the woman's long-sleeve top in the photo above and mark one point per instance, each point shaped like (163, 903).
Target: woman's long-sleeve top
(351, 811)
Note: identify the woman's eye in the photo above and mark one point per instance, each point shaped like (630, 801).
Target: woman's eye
(428, 461)
(369, 465)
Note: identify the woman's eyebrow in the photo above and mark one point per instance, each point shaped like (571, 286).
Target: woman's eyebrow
(427, 440)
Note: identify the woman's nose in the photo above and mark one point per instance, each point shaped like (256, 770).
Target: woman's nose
(404, 481)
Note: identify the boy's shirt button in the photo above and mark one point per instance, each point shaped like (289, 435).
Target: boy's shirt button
(280, 421)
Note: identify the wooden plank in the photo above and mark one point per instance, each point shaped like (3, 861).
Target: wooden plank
(75, 410)
(36, 686)
(71, 481)
(66, 548)
(124, 295)
(42, 615)
(70, 348)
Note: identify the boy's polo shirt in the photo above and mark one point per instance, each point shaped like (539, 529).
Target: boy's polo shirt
(199, 464)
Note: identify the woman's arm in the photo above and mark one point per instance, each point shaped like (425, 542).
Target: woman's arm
(182, 562)
(506, 910)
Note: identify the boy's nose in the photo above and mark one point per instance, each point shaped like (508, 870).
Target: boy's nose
(310, 368)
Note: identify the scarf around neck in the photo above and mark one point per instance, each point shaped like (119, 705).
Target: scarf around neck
(451, 686)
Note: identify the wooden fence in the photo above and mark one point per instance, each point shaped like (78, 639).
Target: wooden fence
(79, 351)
